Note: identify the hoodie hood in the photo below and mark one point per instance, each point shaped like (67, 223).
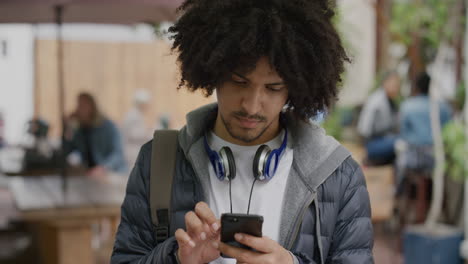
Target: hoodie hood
(313, 149)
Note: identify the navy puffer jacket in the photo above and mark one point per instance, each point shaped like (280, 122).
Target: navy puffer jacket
(326, 194)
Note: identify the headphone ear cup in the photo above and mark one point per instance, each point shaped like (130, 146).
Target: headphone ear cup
(228, 162)
(260, 159)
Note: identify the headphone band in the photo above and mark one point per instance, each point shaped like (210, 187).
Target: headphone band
(276, 156)
(215, 160)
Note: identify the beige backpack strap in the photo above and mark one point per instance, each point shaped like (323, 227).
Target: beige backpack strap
(163, 161)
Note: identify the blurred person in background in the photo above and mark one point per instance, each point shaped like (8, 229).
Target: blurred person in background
(134, 129)
(95, 137)
(414, 147)
(378, 121)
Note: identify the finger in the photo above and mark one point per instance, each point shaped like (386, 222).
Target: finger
(216, 239)
(209, 231)
(240, 254)
(262, 244)
(183, 239)
(206, 215)
(194, 226)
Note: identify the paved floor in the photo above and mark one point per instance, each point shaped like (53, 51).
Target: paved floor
(386, 247)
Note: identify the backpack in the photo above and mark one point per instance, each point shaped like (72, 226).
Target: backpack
(163, 161)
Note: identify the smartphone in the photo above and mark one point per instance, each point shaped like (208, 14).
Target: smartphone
(232, 224)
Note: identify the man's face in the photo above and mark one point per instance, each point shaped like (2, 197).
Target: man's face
(392, 86)
(249, 104)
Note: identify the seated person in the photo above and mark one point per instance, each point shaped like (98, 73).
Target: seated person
(415, 149)
(95, 137)
(378, 121)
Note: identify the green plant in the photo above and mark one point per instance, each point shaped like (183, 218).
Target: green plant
(337, 120)
(332, 124)
(425, 18)
(453, 135)
(460, 96)
(158, 31)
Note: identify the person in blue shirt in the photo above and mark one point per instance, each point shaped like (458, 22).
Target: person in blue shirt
(416, 141)
(415, 121)
(96, 138)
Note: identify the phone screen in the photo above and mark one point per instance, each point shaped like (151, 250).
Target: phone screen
(232, 224)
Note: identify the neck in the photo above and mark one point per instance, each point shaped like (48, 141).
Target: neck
(270, 133)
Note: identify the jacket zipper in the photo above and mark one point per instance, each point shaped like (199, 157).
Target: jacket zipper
(298, 223)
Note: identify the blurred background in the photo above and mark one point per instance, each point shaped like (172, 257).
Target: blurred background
(85, 83)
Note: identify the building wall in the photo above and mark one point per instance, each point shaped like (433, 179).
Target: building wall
(110, 61)
(358, 29)
(16, 79)
(113, 72)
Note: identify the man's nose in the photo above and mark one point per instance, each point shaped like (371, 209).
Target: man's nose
(252, 101)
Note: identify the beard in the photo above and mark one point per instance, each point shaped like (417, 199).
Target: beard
(245, 135)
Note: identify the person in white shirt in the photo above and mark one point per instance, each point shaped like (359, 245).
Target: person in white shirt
(134, 128)
(378, 121)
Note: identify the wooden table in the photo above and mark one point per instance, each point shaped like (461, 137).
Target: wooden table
(63, 220)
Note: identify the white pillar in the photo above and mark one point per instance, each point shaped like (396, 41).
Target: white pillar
(16, 79)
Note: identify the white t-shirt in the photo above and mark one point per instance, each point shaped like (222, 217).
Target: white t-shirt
(267, 196)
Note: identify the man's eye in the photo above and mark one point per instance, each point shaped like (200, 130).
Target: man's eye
(240, 82)
(274, 89)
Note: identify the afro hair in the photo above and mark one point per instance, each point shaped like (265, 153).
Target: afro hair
(215, 38)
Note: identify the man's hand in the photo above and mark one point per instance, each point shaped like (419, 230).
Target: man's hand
(198, 244)
(269, 251)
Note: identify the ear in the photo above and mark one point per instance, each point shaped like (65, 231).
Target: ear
(286, 105)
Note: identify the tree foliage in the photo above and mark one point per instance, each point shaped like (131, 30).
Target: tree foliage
(426, 19)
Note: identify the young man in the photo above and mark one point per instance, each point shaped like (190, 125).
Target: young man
(273, 64)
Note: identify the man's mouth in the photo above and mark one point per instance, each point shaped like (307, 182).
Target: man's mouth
(247, 122)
